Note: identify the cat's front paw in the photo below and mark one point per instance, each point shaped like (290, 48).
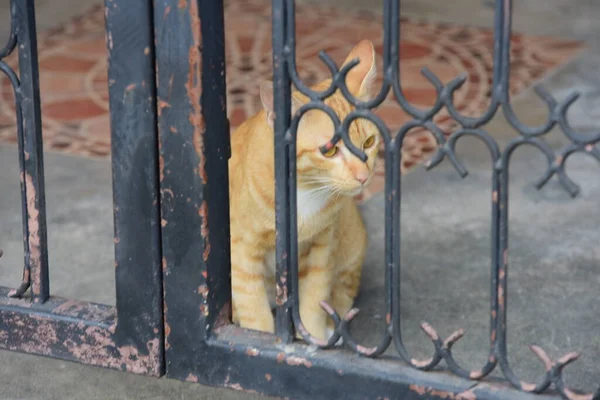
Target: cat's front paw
(263, 324)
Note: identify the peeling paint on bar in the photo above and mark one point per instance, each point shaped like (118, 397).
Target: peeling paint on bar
(194, 89)
(203, 212)
(76, 331)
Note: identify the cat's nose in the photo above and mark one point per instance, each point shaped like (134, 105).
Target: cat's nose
(362, 177)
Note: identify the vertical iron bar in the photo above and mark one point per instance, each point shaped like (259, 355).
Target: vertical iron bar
(504, 9)
(499, 221)
(387, 33)
(495, 264)
(392, 236)
(392, 192)
(500, 67)
(504, 20)
(390, 286)
(282, 108)
(194, 150)
(392, 37)
(500, 38)
(502, 260)
(211, 13)
(134, 148)
(36, 246)
(26, 280)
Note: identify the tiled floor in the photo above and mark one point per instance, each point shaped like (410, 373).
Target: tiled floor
(74, 83)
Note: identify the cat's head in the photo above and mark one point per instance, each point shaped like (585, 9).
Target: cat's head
(338, 170)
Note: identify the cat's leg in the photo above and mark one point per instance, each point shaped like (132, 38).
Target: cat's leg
(351, 246)
(250, 306)
(344, 291)
(315, 280)
(345, 287)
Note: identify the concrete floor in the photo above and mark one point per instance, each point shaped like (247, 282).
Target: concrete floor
(554, 259)
(570, 18)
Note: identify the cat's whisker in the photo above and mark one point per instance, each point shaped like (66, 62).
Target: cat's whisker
(317, 189)
(317, 181)
(315, 193)
(338, 192)
(319, 185)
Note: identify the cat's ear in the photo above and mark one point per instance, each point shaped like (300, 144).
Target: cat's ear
(266, 98)
(361, 77)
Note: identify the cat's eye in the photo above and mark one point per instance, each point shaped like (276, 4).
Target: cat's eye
(369, 142)
(331, 152)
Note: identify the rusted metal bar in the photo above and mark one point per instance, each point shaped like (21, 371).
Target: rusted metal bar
(75, 331)
(283, 13)
(134, 146)
(10, 73)
(31, 155)
(281, 97)
(246, 360)
(249, 361)
(194, 152)
(128, 337)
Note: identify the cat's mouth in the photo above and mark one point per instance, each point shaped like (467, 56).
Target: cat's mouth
(356, 191)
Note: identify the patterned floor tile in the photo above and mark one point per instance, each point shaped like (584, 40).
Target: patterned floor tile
(74, 83)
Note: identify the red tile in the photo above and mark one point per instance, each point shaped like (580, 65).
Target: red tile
(8, 135)
(421, 96)
(407, 164)
(305, 27)
(410, 74)
(60, 142)
(99, 149)
(6, 87)
(410, 50)
(95, 47)
(101, 78)
(99, 129)
(444, 72)
(73, 109)
(246, 43)
(446, 49)
(64, 63)
(6, 120)
(236, 117)
(53, 85)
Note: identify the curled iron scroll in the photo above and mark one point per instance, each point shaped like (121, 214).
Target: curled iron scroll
(469, 126)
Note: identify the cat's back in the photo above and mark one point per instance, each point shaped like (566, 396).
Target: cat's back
(242, 135)
(251, 177)
(245, 151)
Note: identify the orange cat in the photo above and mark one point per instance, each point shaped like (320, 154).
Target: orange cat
(331, 235)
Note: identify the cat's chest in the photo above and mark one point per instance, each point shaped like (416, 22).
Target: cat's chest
(309, 203)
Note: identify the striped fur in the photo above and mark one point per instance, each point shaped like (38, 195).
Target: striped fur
(332, 237)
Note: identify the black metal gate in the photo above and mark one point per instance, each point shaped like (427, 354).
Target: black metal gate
(130, 336)
(170, 149)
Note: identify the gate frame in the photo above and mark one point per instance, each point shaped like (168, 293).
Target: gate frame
(129, 336)
(201, 344)
(170, 135)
